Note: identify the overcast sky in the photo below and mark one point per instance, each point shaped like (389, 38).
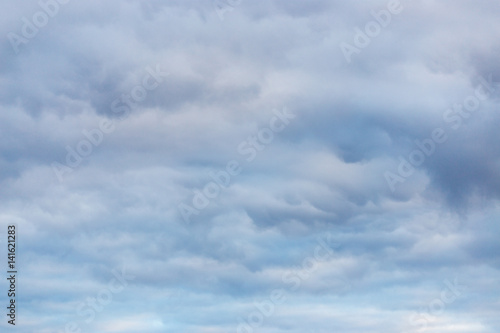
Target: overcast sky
(251, 166)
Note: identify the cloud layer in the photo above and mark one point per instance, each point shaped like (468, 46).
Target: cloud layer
(156, 189)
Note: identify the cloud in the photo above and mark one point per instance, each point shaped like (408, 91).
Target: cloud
(323, 174)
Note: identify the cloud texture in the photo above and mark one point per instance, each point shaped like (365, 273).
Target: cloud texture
(197, 166)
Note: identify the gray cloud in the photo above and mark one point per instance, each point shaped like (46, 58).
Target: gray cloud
(322, 174)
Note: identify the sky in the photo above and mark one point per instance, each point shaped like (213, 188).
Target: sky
(250, 166)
